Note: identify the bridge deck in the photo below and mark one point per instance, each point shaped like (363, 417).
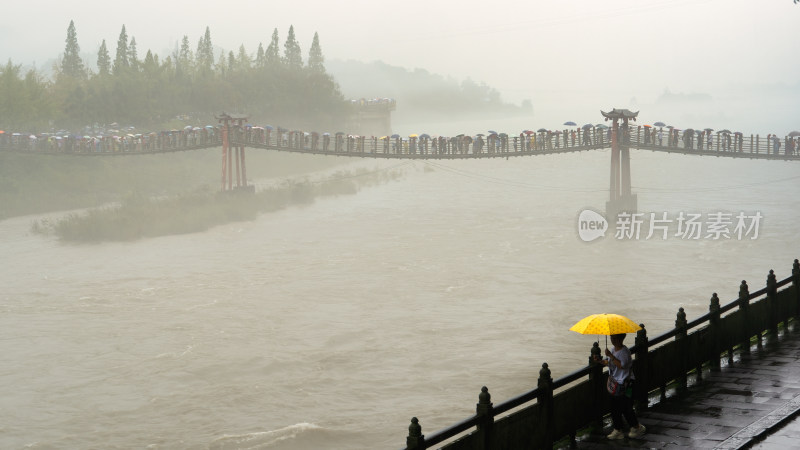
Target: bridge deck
(729, 409)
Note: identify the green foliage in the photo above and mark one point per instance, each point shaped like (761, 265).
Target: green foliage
(71, 63)
(272, 55)
(103, 60)
(315, 59)
(121, 63)
(139, 216)
(292, 56)
(146, 93)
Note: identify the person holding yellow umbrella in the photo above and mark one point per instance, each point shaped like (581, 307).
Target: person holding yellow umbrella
(619, 362)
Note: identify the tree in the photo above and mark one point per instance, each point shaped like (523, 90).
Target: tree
(315, 59)
(243, 59)
(205, 53)
(133, 57)
(292, 54)
(272, 55)
(261, 60)
(121, 63)
(72, 64)
(185, 57)
(103, 60)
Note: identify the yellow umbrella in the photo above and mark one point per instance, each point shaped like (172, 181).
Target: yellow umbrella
(605, 324)
(412, 135)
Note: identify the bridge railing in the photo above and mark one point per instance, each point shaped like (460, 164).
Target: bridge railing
(423, 146)
(559, 409)
(710, 142)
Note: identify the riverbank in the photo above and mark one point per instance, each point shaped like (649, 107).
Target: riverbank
(34, 184)
(139, 216)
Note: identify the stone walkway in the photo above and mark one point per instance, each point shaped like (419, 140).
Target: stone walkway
(736, 407)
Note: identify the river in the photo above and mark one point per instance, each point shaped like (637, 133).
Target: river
(331, 325)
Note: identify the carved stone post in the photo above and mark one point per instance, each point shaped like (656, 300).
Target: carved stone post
(485, 412)
(415, 439)
(772, 303)
(642, 368)
(714, 333)
(597, 386)
(545, 385)
(796, 284)
(681, 343)
(744, 306)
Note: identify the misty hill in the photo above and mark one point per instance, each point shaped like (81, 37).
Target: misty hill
(419, 92)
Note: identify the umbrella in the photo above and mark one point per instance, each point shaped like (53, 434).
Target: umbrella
(480, 134)
(528, 132)
(605, 324)
(541, 130)
(660, 124)
(647, 126)
(412, 135)
(570, 123)
(794, 134)
(601, 126)
(587, 126)
(492, 132)
(395, 136)
(424, 136)
(326, 134)
(708, 129)
(723, 131)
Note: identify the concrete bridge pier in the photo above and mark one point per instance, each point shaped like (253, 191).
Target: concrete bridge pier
(620, 197)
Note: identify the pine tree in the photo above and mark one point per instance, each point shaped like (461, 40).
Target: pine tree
(272, 55)
(72, 64)
(150, 63)
(261, 60)
(205, 52)
(316, 62)
(121, 62)
(185, 57)
(292, 56)
(231, 62)
(103, 60)
(220, 67)
(133, 57)
(243, 59)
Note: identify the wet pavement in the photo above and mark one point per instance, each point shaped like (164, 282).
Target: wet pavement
(752, 403)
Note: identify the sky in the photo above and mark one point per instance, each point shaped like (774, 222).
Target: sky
(570, 57)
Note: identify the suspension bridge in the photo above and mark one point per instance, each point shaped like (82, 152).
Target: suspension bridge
(234, 135)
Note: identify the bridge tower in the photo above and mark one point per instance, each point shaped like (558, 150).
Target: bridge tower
(228, 153)
(620, 197)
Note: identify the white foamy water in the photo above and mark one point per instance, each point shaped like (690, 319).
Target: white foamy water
(331, 325)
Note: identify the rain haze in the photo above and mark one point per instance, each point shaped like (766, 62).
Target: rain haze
(569, 58)
(341, 294)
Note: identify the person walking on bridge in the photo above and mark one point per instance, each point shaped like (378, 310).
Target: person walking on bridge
(620, 388)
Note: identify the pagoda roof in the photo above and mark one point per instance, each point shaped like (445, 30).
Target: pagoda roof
(225, 115)
(620, 114)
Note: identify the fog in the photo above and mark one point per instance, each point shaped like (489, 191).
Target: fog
(735, 61)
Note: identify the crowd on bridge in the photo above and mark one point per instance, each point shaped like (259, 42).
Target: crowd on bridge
(128, 140)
